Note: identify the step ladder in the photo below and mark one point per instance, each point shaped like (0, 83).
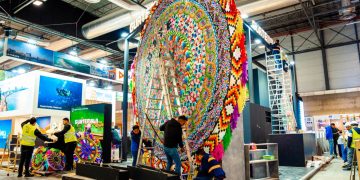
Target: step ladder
(280, 96)
(162, 96)
(10, 153)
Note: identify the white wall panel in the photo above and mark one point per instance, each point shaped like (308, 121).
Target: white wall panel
(309, 72)
(344, 67)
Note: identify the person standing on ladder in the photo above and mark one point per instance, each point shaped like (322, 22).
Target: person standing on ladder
(70, 143)
(29, 134)
(276, 53)
(172, 139)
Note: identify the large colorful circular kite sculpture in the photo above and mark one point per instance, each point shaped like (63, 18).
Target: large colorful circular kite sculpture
(47, 159)
(204, 40)
(38, 159)
(55, 159)
(88, 149)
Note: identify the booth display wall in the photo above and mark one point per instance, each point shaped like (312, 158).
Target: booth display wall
(64, 88)
(261, 92)
(5, 130)
(80, 118)
(24, 88)
(17, 95)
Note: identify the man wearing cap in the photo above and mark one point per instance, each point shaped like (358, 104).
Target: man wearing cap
(353, 135)
(29, 134)
(348, 128)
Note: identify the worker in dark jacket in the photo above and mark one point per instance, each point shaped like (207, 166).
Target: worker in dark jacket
(209, 167)
(29, 134)
(172, 139)
(70, 143)
(135, 141)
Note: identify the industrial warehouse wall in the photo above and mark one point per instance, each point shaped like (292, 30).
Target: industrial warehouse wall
(344, 67)
(342, 103)
(343, 61)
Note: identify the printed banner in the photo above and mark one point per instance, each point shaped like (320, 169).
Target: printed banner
(59, 94)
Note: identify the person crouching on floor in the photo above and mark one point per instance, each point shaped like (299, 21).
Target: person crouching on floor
(209, 168)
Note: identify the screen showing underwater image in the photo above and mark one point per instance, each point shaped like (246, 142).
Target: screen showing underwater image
(59, 94)
(85, 116)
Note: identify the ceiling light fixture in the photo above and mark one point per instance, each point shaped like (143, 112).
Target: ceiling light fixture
(103, 61)
(244, 16)
(21, 71)
(292, 63)
(73, 52)
(32, 41)
(124, 34)
(257, 41)
(38, 3)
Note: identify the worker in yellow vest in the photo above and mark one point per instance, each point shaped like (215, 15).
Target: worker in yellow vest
(29, 134)
(70, 143)
(353, 135)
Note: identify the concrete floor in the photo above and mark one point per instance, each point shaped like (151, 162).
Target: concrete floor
(333, 171)
(293, 173)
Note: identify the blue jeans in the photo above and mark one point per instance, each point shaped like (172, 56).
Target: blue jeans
(350, 156)
(345, 153)
(173, 155)
(134, 155)
(341, 150)
(331, 146)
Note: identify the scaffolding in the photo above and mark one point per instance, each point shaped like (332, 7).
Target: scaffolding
(280, 95)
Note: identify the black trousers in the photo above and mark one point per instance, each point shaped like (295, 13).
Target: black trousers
(26, 154)
(69, 154)
(335, 147)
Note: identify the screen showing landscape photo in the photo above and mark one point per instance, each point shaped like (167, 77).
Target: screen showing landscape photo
(29, 52)
(14, 95)
(91, 115)
(71, 63)
(59, 94)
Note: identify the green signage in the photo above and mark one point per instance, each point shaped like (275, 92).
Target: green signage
(91, 115)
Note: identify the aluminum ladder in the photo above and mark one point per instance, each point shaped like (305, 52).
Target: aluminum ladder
(162, 96)
(10, 153)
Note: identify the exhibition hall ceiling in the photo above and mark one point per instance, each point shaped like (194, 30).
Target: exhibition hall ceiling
(67, 17)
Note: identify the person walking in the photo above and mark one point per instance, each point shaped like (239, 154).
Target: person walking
(135, 141)
(70, 143)
(345, 134)
(340, 144)
(353, 135)
(335, 132)
(27, 142)
(115, 145)
(172, 139)
(329, 138)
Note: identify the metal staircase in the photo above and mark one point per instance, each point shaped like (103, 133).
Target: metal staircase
(280, 96)
(163, 96)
